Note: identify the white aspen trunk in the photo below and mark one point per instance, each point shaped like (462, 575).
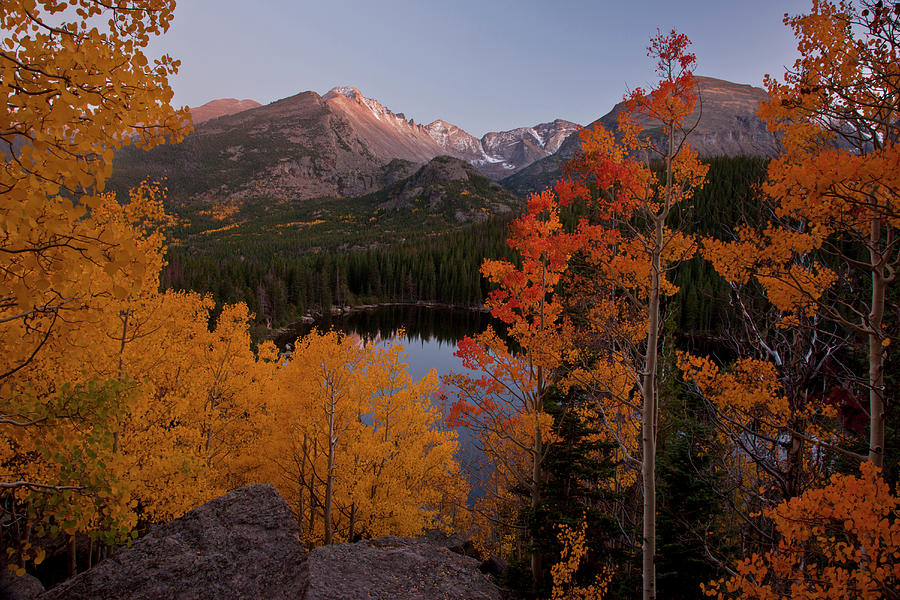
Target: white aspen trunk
(537, 407)
(536, 567)
(650, 387)
(207, 446)
(73, 557)
(648, 429)
(876, 350)
(119, 376)
(329, 480)
(301, 507)
(352, 521)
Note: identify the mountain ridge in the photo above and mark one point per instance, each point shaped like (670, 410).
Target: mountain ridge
(497, 153)
(339, 145)
(724, 123)
(311, 146)
(220, 107)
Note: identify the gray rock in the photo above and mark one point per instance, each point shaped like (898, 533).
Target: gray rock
(26, 587)
(246, 545)
(242, 545)
(494, 565)
(395, 569)
(466, 548)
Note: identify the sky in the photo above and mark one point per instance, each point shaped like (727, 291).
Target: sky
(484, 65)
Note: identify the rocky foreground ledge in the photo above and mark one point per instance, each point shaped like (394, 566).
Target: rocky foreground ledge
(246, 545)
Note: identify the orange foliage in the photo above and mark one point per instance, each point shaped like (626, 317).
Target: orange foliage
(71, 96)
(836, 186)
(76, 86)
(837, 542)
(784, 436)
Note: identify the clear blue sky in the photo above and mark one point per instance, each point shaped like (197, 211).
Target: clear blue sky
(484, 65)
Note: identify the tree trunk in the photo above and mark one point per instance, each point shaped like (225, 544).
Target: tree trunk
(648, 431)
(649, 389)
(876, 350)
(73, 557)
(537, 407)
(208, 444)
(302, 484)
(536, 567)
(352, 521)
(312, 511)
(329, 479)
(119, 376)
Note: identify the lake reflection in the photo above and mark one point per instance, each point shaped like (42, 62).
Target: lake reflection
(430, 332)
(441, 324)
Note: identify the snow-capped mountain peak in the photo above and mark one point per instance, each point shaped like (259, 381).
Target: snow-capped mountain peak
(497, 153)
(344, 90)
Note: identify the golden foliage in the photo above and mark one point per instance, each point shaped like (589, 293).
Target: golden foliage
(351, 414)
(563, 572)
(119, 404)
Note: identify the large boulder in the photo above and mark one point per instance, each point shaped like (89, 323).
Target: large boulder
(246, 545)
(242, 545)
(14, 587)
(393, 568)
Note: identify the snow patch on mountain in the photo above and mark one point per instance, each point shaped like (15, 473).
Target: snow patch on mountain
(343, 90)
(451, 137)
(497, 153)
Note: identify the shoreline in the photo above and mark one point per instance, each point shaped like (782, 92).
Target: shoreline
(310, 318)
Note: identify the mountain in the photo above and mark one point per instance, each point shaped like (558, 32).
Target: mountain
(220, 108)
(499, 154)
(341, 144)
(448, 187)
(295, 148)
(511, 151)
(726, 125)
(392, 135)
(455, 141)
(386, 135)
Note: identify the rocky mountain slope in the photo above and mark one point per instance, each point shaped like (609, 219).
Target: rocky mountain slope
(451, 187)
(307, 146)
(521, 147)
(219, 108)
(444, 194)
(497, 154)
(386, 134)
(726, 124)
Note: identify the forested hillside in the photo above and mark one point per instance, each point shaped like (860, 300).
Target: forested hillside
(283, 277)
(419, 239)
